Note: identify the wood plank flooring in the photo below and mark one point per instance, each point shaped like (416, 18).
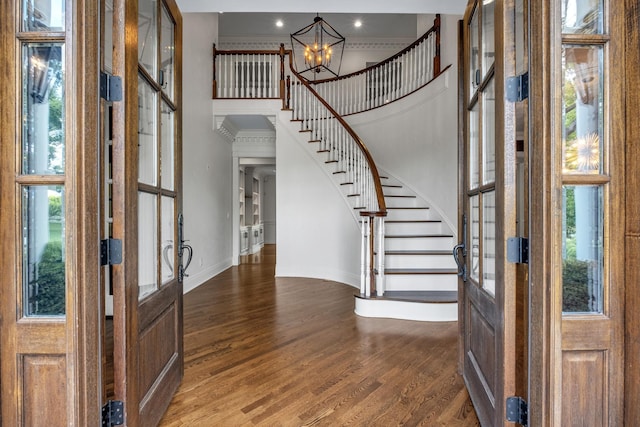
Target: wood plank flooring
(291, 352)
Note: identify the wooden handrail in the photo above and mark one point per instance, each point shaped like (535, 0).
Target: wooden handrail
(436, 60)
(382, 207)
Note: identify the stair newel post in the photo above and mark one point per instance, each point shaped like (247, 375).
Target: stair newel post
(282, 85)
(371, 261)
(380, 250)
(214, 89)
(364, 268)
(436, 59)
(287, 102)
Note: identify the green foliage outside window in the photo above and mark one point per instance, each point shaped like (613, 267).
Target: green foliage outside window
(49, 300)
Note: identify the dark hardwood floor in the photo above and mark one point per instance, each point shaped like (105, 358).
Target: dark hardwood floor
(291, 352)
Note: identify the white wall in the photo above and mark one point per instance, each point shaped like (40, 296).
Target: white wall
(207, 166)
(415, 140)
(317, 234)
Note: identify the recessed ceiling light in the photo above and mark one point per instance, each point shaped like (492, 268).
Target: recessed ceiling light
(279, 23)
(358, 23)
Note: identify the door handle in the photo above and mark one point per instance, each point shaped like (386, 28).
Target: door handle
(182, 247)
(462, 247)
(462, 267)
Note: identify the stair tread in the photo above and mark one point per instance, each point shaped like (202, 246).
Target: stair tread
(420, 271)
(418, 252)
(415, 236)
(392, 186)
(407, 207)
(400, 196)
(423, 296)
(411, 221)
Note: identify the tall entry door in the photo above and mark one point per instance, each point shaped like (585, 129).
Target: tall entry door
(488, 209)
(145, 204)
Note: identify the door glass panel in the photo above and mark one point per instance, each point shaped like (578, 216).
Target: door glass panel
(148, 36)
(582, 16)
(107, 36)
(474, 147)
(167, 156)
(582, 109)
(43, 250)
(168, 239)
(488, 38)
(147, 243)
(474, 60)
(520, 38)
(43, 101)
(582, 249)
(474, 222)
(489, 133)
(147, 134)
(489, 242)
(167, 46)
(43, 15)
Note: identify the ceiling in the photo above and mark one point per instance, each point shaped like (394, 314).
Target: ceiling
(397, 25)
(455, 7)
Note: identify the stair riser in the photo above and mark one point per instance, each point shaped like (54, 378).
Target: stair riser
(394, 191)
(408, 214)
(401, 202)
(413, 228)
(406, 310)
(419, 243)
(421, 282)
(419, 261)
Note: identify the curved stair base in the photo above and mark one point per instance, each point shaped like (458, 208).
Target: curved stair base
(424, 311)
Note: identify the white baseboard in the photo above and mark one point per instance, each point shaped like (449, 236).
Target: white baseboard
(193, 281)
(322, 274)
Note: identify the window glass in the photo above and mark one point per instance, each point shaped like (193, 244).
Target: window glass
(167, 52)
(168, 239)
(582, 249)
(43, 99)
(474, 61)
(167, 155)
(582, 16)
(43, 15)
(147, 133)
(43, 250)
(488, 37)
(489, 242)
(489, 133)
(474, 147)
(474, 223)
(147, 243)
(582, 101)
(148, 36)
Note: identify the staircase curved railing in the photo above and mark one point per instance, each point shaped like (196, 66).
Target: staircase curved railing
(336, 137)
(352, 158)
(388, 80)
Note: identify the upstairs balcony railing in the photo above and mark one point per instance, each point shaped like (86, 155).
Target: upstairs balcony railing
(262, 74)
(387, 81)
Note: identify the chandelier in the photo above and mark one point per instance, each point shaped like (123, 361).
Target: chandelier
(315, 45)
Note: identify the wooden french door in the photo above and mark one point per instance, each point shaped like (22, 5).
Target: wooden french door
(577, 110)
(146, 206)
(488, 209)
(49, 237)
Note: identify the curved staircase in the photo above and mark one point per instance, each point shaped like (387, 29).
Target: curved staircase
(420, 275)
